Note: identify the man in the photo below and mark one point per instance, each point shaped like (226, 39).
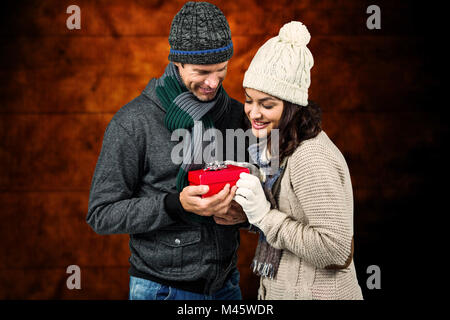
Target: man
(182, 246)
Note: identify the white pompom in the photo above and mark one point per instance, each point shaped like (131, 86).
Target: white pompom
(295, 32)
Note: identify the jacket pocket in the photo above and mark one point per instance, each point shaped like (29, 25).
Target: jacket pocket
(176, 250)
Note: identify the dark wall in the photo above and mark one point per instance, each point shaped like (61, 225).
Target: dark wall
(379, 90)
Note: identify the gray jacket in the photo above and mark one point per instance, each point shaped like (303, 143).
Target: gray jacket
(133, 191)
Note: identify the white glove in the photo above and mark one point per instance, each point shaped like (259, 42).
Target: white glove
(250, 195)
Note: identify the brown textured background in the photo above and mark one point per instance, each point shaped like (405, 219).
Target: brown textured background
(60, 88)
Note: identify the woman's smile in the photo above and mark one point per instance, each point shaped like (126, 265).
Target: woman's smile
(258, 125)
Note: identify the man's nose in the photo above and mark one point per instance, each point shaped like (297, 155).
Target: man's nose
(212, 81)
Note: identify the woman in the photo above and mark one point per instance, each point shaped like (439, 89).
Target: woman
(304, 210)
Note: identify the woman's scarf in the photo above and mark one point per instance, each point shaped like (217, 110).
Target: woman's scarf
(267, 258)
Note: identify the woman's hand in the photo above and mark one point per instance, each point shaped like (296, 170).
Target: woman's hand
(234, 215)
(250, 195)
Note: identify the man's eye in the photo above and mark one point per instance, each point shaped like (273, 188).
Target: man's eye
(248, 101)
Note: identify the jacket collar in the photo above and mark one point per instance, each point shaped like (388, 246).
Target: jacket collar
(150, 92)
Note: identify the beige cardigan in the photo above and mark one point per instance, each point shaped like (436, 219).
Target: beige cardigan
(313, 226)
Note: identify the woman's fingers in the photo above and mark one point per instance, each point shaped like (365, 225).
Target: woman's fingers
(245, 192)
(247, 183)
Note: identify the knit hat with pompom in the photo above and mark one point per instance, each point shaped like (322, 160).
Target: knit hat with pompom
(281, 67)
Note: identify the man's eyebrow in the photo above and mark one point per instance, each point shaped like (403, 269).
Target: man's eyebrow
(200, 70)
(208, 71)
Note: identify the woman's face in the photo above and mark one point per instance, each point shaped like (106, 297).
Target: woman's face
(264, 111)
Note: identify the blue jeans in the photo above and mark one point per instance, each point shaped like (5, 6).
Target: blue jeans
(142, 289)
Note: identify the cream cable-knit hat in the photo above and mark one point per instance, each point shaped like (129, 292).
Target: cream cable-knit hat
(281, 67)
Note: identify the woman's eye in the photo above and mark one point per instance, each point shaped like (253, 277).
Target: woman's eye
(267, 107)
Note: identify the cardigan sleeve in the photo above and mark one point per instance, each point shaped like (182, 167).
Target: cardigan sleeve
(324, 239)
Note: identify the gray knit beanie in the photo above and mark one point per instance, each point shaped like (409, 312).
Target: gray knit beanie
(200, 34)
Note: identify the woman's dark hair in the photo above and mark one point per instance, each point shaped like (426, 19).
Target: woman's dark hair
(297, 124)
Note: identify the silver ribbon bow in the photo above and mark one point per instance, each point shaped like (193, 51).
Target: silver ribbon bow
(214, 166)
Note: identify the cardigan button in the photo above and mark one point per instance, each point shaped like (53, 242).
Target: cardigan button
(177, 241)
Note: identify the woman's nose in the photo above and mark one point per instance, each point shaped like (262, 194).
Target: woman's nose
(255, 113)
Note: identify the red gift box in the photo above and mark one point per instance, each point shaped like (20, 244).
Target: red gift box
(215, 179)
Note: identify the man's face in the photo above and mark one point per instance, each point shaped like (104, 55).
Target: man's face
(203, 80)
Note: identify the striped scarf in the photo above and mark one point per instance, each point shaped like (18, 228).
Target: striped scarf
(185, 111)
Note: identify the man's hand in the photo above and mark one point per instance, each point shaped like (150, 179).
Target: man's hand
(217, 204)
(234, 215)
